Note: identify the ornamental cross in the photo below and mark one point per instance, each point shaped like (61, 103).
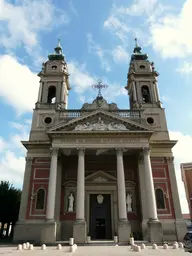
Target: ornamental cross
(99, 86)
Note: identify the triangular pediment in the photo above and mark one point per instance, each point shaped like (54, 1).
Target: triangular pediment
(100, 177)
(101, 121)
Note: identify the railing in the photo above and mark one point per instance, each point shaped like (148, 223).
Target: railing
(135, 115)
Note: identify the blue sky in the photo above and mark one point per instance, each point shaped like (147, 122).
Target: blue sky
(97, 39)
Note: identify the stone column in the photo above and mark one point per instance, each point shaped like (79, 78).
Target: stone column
(52, 185)
(154, 225)
(123, 225)
(152, 208)
(179, 222)
(121, 186)
(79, 226)
(25, 189)
(40, 92)
(80, 201)
(134, 93)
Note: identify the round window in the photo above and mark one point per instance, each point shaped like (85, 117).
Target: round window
(150, 120)
(48, 120)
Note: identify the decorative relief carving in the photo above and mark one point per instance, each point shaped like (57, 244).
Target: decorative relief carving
(170, 159)
(100, 199)
(100, 126)
(29, 160)
(140, 158)
(54, 151)
(100, 179)
(119, 152)
(146, 151)
(100, 141)
(81, 151)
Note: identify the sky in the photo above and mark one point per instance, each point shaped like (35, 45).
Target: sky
(97, 38)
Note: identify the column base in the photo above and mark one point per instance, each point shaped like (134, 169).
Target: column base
(48, 232)
(124, 231)
(155, 231)
(181, 229)
(80, 231)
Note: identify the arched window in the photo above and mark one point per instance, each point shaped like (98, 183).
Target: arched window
(145, 94)
(40, 199)
(160, 198)
(51, 94)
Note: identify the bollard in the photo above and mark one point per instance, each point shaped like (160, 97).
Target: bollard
(175, 246)
(143, 246)
(71, 241)
(59, 247)
(137, 248)
(181, 245)
(165, 246)
(27, 245)
(154, 247)
(30, 247)
(24, 246)
(43, 247)
(19, 247)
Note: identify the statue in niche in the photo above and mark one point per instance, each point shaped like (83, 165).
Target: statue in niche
(146, 94)
(129, 202)
(71, 203)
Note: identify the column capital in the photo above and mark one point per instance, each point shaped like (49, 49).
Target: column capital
(146, 151)
(29, 160)
(119, 151)
(170, 159)
(54, 151)
(81, 151)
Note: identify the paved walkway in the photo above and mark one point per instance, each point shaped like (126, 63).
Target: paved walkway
(93, 251)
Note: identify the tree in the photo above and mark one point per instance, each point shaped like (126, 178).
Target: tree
(10, 202)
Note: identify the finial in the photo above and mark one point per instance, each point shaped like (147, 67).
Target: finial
(59, 45)
(136, 45)
(99, 86)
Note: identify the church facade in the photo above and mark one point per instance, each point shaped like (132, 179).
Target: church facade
(99, 171)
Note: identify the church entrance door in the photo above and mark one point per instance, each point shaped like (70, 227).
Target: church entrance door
(100, 216)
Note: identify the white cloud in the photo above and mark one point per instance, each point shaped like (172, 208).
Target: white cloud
(182, 154)
(19, 86)
(22, 21)
(170, 34)
(95, 48)
(120, 54)
(186, 68)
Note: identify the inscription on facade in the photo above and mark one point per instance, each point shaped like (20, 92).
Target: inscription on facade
(97, 140)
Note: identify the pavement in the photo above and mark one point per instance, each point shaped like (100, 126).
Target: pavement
(92, 251)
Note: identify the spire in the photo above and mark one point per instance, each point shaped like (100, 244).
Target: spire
(58, 55)
(137, 54)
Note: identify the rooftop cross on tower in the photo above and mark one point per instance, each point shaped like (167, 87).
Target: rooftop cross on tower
(99, 86)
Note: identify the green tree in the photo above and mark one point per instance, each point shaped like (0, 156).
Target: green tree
(9, 205)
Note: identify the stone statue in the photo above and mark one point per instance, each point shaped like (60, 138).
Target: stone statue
(71, 203)
(129, 203)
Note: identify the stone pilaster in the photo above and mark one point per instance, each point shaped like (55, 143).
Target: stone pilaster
(180, 225)
(25, 189)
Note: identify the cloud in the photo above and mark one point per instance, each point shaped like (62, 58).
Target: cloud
(22, 21)
(120, 54)
(19, 86)
(186, 68)
(182, 154)
(95, 48)
(170, 34)
(12, 160)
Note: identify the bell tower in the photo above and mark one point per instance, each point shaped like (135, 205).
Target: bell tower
(53, 94)
(54, 80)
(142, 86)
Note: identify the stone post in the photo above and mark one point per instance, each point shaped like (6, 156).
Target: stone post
(52, 185)
(180, 224)
(123, 225)
(154, 225)
(79, 226)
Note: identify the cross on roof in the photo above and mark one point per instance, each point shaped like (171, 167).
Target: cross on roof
(99, 86)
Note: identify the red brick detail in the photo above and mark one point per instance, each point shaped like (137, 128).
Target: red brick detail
(39, 179)
(162, 180)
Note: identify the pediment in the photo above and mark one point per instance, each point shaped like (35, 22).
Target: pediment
(100, 177)
(101, 121)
